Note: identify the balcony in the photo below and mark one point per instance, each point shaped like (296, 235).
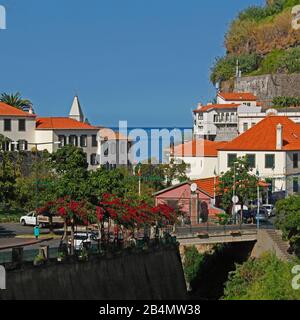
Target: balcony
(225, 120)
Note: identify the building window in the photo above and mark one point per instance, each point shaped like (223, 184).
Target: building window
(22, 145)
(5, 145)
(63, 141)
(253, 124)
(295, 185)
(94, 140)
(94, 161)
(200, 116)
(83, 141)
(73, 140)
(251, 160)
(270, 161)
(113, 148)
(295, 160)
(245, 126)
(7, 124)
(106, 151)
(22, 125)
(231, 159)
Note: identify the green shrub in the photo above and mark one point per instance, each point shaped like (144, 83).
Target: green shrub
(225, 67)
(285, 102)
(192, 263)
(265, 278)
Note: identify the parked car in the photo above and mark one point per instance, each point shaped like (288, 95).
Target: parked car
(270, 209)
(83, 238)
(248, 216)
(29, 219)
(262, 216)
(44, 221)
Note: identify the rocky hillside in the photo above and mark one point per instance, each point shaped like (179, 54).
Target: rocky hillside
(263, 40)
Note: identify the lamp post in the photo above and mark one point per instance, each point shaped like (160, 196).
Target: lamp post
(36, 144)
(234, 198)
(258, 201)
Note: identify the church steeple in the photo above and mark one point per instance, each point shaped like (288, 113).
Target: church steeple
(76, 111)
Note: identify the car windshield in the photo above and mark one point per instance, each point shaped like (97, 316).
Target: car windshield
(80, 237)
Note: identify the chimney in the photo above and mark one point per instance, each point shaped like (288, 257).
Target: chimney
(279, 141)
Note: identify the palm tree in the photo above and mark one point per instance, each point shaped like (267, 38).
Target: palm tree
(15, 100)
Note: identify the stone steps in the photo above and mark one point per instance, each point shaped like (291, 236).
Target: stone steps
(282, 245)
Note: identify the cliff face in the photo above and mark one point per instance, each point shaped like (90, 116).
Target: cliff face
(147, 276)
(266, 87)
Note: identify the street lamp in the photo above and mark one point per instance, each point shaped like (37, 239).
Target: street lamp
(234, 198)
(36, 144)
(258, 200)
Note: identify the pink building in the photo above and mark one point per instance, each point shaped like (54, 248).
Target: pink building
(197, 206)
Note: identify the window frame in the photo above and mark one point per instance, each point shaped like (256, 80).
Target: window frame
(6, 121)
(266, 164)
(228, 161)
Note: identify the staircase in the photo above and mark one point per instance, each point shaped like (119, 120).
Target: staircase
(282, 245)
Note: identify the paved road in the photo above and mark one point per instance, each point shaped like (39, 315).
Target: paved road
(11, 230)
(16, 229)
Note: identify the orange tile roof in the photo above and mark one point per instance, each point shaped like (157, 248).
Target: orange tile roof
(197, 148)
(62, 123)
(262, 137)
(237, 96)
(208, 185)
(7, 110)
(217, 106)
(111, 134)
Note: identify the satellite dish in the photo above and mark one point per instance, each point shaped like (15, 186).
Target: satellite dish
(194, 187)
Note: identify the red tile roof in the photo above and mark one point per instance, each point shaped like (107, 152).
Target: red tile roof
(62, 123)
(217, 106)
(7, 110)
(262, 137)
(197, 148)
(208, 185)
(237, 96)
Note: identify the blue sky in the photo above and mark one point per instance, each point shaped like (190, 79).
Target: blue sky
(145, 61)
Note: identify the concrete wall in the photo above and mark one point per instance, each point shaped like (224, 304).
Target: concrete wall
(267, 87)
(147, 276)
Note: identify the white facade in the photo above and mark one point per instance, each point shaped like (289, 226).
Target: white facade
(26, 132)
(249, 118)
(277, 173)
(199, 167)
(215, 122)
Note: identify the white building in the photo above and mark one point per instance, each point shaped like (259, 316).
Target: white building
(18, 126)
(26, 131)
(200, 155)
(273, 149)
(233, 114)
(250, 116)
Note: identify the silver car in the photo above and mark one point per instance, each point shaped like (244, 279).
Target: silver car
(270, 209)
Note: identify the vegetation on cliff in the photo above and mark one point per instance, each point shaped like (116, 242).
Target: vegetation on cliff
(263, 40)
(265, 278)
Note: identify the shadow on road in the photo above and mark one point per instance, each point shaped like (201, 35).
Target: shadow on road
(6, 233)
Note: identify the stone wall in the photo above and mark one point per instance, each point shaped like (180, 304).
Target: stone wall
(153, 275)
(266, 87)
